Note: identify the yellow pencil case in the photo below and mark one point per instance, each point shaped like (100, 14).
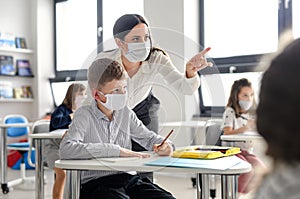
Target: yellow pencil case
(206, 152)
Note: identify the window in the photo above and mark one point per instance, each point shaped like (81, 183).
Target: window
(80, 28)
(76, 34)
(240, 32)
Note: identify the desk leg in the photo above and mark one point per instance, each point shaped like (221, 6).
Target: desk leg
(73, 184)
(205, 186)
(229, 186)
(3, 149)
(203, 191)
(198, 184)
(39, 170)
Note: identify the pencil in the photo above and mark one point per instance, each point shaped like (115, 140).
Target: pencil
(165, 138)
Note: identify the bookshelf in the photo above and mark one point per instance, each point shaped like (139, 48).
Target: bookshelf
(16, 50)
(16, 100)
(16, 80)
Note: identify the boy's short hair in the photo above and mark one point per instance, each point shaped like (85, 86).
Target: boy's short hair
(104, 70)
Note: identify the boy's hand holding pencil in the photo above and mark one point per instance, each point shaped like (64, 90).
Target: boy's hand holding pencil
(164, 148)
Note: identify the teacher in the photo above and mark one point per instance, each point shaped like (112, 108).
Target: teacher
(143, 62)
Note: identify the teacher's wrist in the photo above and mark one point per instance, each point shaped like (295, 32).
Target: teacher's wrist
(190, 74)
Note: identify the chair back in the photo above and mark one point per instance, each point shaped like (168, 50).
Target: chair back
(14, 119)
(39, 126)
(213, 132)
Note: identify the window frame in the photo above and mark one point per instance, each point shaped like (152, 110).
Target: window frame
(81, 74)
(240, 63)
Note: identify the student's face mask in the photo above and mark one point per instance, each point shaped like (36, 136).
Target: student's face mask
(79, 100)
(114, 101)
(245, 104)
(138, 51)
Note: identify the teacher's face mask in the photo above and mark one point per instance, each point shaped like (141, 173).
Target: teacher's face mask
(138, 51)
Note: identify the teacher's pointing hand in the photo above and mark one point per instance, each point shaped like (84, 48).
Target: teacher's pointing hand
(197, 63)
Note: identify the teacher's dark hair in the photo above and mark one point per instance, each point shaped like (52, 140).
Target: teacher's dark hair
(279, 105)
(126, 23)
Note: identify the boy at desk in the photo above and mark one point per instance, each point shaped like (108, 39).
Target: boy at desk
(105, 129)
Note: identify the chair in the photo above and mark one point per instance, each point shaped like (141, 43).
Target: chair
(212, 129)
(213, 132)
(39, 126)
(21, 147)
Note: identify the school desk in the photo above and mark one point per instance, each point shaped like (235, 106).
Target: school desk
(228, 175)
(39, 168)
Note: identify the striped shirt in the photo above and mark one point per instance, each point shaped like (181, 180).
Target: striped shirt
(282, 183)
(92, 135)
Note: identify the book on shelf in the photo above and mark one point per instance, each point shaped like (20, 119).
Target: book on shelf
(7, 40)
(7, 65)
(23, 68)
(18, 93)
(27, 91)
(6, 90)
(20, 42)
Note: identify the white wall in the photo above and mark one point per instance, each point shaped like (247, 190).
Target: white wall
(45, 55)
(174, 25)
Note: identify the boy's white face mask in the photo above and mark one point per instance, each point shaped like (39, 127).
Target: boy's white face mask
(114, 101)
(245, 104)
(138, 51)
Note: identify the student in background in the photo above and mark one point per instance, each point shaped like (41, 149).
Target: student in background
(61, 118)
(104, 128)
(237, 118)
(278, 122)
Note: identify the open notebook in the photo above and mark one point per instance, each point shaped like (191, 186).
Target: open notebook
(219, 163)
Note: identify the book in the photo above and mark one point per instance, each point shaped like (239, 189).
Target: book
(27, 91)
(206, 152)
(18, 93)
(7, 65)
(23, 68)
(6, 90)
(7, 40)
(20, 42)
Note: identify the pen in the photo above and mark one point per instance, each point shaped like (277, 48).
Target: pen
(165, 138)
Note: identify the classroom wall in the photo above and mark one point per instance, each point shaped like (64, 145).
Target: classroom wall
(45, 55)
(174, 25)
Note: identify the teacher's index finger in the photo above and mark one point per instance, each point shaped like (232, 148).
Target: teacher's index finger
(203, 52)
